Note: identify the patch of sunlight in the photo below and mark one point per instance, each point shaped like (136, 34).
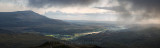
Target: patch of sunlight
(50, 35)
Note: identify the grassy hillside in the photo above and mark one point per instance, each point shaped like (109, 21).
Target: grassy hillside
(27, 40)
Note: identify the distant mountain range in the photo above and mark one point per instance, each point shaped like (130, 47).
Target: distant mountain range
(29, 21)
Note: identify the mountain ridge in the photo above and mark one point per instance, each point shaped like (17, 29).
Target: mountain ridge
(27, 18)
(29, 21)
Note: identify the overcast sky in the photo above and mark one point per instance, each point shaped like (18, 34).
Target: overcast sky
(142, 11)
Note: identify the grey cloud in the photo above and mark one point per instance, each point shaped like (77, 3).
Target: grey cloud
(60, 3)
(149, 6)
(151, 9)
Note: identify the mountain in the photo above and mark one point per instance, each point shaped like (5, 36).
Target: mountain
(93, 23)
(52, 44)
(26, 18)
(2, 31)
(29, 21)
